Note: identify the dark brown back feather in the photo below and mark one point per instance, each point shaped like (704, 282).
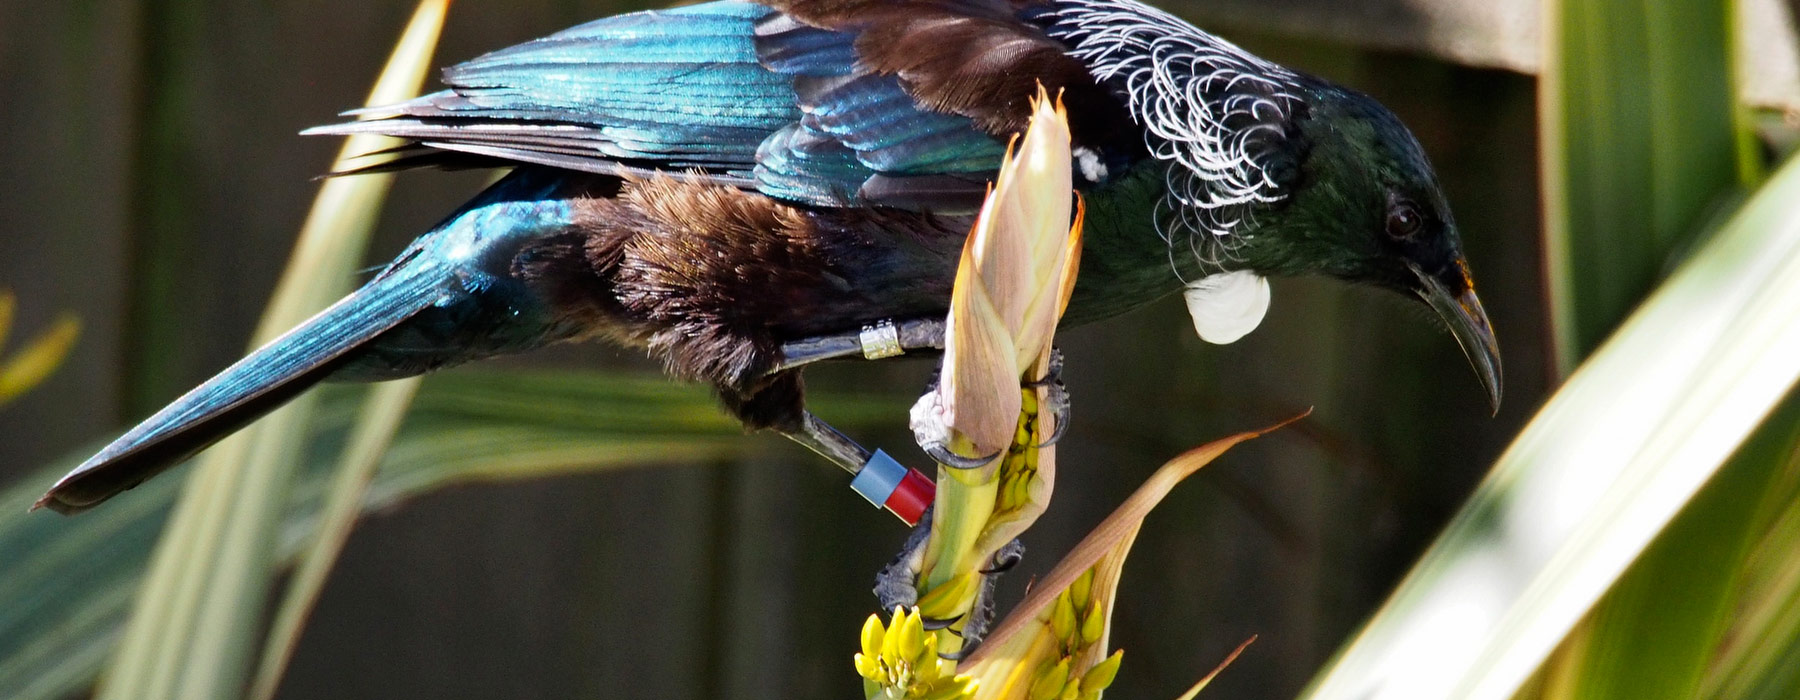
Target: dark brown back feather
(975, 58)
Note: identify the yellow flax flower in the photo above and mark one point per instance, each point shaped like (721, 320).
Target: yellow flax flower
(899, 661)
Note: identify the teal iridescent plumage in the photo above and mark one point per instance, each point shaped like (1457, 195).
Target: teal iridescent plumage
(717, 181)
(448, 298)
(729, 86)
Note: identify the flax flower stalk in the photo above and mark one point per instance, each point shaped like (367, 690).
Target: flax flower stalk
(1016, 274)
(1017, 270)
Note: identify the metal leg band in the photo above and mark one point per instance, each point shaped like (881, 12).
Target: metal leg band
(881, 340)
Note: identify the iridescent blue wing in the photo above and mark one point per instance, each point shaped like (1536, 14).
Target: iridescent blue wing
(673, 89)
(793, 105)
(861, 136)
(933, 88)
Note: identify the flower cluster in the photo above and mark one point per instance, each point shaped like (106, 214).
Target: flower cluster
(1077, 624)
(900, 661)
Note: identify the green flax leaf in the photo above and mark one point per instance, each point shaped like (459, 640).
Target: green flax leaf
(1641, 137)
(1636, 432)
(195, 627)
(369, 441)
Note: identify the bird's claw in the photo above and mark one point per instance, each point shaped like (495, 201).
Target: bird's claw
(981, 612)
(933, 435)
(1057, 403)
(944, 455)
(1005, 559)
(1056, 398)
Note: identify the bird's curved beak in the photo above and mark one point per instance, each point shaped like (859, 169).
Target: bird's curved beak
(1461, 310)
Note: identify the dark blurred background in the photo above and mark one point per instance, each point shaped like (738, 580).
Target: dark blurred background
(154, 182)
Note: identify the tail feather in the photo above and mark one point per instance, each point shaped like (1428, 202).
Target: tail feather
(245, 391)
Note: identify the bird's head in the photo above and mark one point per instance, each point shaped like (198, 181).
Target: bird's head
(1261, 170)
(1363, 205)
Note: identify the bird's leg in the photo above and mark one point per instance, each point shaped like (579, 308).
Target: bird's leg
(778, 402)
(879, 478)
(820, 437)
(875, 341)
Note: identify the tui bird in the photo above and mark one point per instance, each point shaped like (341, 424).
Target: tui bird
(743, 188)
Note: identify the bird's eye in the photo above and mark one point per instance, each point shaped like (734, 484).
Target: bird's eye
(1404, 220)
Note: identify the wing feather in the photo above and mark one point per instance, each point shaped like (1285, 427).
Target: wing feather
(980, 59)
(904, 103)
(676, 89)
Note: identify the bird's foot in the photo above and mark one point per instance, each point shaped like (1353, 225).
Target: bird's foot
(981, 613)
(1056, 398)
(933, 434)
(897, 585)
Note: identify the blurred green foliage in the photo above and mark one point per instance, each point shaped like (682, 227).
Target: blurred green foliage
(1677, 412)
(70, 581)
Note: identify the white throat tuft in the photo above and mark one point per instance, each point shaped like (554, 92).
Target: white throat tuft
(1227, 306)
